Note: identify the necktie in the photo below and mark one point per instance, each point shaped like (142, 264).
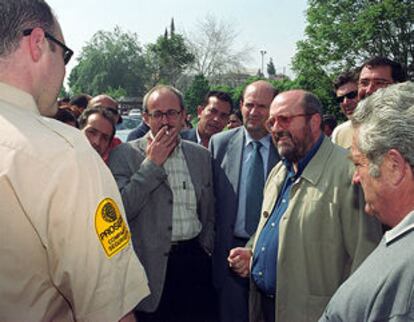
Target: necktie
(254, 188)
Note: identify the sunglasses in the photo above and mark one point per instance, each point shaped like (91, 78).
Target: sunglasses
(350, 95)
(67, 52)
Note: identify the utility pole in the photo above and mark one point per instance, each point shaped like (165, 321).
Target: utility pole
(263, 52)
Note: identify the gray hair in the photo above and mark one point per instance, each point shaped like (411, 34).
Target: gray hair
(386, 121)
(18, 15)
(161, 88)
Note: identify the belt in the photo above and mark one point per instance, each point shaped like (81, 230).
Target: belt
(181, 243)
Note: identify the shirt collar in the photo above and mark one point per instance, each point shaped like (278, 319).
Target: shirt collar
(265, 141)
(198, 136)
(306, 159)
(18, 98)
(406, 225)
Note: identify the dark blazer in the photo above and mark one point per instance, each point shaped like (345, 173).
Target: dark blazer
(190, 135)
(138, 132)
(226, 149)
(148, 203)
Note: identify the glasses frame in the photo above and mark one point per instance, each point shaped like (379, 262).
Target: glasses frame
(162, 114)
(67, 52)
(284, 121)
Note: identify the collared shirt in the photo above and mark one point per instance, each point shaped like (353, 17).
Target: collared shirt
(198, 136)
(264, 267)
(52, 185)
(384, 280)
(239, 226)
(186, 224)
(403, 227)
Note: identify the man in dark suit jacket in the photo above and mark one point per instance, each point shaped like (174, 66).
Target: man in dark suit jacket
(213, 115)
(166, 187)
(231, 151)
(139, 131)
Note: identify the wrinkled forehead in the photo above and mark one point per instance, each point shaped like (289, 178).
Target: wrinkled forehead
(376, 72)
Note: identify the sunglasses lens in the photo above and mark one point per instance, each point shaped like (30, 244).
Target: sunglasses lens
(350, 95)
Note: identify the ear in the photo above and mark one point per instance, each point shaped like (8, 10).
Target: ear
(146, 117)
(395, 166)
(37, 43)
(316, 121)
(199, 110)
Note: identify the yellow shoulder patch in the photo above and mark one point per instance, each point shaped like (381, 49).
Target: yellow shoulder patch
(110, 227)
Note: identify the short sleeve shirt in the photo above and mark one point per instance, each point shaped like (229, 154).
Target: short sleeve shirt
(64, 242)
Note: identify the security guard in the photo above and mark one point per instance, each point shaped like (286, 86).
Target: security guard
(64, 243)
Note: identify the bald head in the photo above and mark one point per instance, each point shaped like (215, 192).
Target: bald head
(103, 100)
(295, 123)
(254, 106)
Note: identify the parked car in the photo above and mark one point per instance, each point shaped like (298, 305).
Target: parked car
(128, 124)
(135, 113)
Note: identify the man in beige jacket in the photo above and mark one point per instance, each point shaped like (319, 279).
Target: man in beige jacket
(312, 232)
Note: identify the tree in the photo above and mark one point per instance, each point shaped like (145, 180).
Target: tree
(341, 34)
(213, 46)
(110, 61)
(168, 58)
(195, 93)
(271, 70)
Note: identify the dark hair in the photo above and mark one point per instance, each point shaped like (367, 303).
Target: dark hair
(80, 101)
(238, 113)
(83, 118)
(65, 116)
(311, 104)
(222, 96)
(398, 72)
(18, 15)
(349, 76)
(329, 120)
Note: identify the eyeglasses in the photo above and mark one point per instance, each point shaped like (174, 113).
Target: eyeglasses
(350, 96)
(283, 121)
(67, 52)
(170, 114)
(376, 82)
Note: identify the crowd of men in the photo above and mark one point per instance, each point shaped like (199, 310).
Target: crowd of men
(267, 220)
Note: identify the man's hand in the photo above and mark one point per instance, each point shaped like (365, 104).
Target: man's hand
(160, 148)
(239, 260)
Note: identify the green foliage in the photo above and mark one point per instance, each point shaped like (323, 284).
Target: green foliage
(195, 94)
(271, 70)
(63, 92)
(111, 60)
(168, 58)
(116, 92)
(340, 34)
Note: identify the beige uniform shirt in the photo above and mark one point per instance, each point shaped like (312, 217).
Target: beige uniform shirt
(342, 135)
(65, 247)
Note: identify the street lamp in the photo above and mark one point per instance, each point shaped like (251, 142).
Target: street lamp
(263, 52)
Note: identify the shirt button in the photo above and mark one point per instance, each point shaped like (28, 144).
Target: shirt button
(272, 224)
(283, 200)
(263, 249)
(265, 214)
(260, 273)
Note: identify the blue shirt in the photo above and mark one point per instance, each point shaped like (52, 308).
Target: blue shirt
(264, 267)
(239, 226)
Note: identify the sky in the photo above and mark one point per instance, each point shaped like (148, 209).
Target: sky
(271, 25)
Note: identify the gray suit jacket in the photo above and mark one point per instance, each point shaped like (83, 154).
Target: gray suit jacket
(226, 150)
(148, 203)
